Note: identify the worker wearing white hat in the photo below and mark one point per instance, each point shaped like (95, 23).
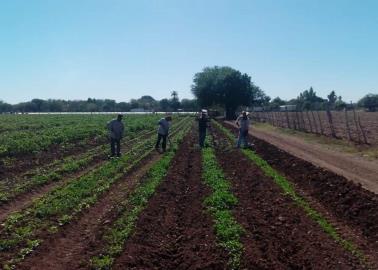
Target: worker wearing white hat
(243, 123)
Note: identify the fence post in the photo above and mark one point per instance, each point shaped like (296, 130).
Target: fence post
(303, 121)
(287, 119)
(299, 123)
(320, 123)
(362, 129)
(309, 121)
(356, 124)
(272, 116)
(315, 125)
(330, 121)
(347, 125)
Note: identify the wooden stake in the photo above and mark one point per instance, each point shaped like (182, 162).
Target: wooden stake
(330, 121)
(347, 125)
(320, 123)
(315, 125)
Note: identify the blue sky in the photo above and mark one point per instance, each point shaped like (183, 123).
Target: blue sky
(119, 49)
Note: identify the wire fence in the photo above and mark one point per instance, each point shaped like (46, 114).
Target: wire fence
(355, 126)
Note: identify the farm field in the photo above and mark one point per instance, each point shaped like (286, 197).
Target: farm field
(64, 205)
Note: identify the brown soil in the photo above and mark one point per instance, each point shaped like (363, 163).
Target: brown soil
(174, 231)
(346, 200)
(279, 235)
(73, 246)
(352, 167)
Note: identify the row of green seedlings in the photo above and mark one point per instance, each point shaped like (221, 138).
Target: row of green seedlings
(52, 173)
(63, 168)
(116, 235)
(34, 122)
(220, 204)
(21, 231)
(24, 142)
(289, 190)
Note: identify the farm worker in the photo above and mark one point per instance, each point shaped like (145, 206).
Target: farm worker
(163, 132)
(116, 129)
(203, 121)
(243, 124)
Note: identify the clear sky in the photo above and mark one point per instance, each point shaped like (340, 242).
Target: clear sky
(120, 49)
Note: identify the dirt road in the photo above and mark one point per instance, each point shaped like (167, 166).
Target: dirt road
(353, 168)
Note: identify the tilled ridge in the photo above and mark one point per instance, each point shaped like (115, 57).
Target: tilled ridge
(344, 199)
(73, 247)
(25, 199)
(279, 235)
(174, 231)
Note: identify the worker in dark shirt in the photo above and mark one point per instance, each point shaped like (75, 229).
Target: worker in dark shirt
(116, 129)
(203, 122)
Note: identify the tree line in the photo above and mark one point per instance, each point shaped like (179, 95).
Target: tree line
(232, 90)
(146, 103)
(220, 88)
(309, 100)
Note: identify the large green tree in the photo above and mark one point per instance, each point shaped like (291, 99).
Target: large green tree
(370, 102)
(223, 86)
(308, 100)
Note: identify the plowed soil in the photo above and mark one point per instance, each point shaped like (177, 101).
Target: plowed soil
(175, 231)
(279, 235)
(73, 247)
(344, 199)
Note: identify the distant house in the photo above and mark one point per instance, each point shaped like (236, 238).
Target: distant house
(258, 109)
(289, 108)
(139, 110)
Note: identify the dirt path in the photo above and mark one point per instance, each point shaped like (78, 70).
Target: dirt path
(73, 247)
(344, 201)
(279, 235)
(353, 168)
(174, 231)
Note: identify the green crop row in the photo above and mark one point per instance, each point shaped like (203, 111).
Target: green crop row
(115, 237)
(289, 190)
(62, 168)
(59, 206)
(18, 142)
(219, 204)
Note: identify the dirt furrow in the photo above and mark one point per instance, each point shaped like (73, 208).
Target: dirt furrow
(174, 231)
(279, 235)
(345, 200)
(74, 245)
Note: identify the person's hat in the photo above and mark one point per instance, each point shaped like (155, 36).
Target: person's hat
(204, 111)
(120, 115)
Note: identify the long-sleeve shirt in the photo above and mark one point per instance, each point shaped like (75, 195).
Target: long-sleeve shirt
(163, 127)
(243, 123)
(116, 129)
(203, 123)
